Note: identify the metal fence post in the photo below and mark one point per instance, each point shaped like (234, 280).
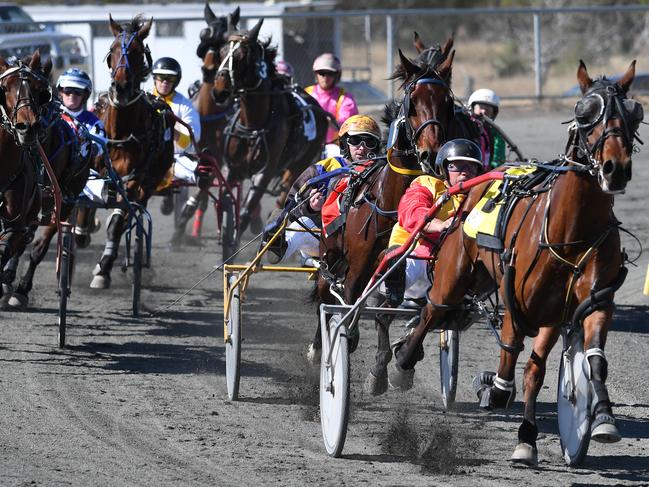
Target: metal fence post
(390, 53)
(537, 56)
(338, 37)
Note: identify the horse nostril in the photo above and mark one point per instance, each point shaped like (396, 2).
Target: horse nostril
(21, 127)
(608, 168)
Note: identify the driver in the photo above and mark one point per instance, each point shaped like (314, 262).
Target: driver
(485, 102)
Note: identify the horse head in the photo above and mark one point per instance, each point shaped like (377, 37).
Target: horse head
(246, 63)
(129, 59)
(606, 126)
(24, 92)
(218, 28)
(427, 107)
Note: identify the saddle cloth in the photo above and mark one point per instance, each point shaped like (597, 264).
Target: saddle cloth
(483, 221)
(308, 120)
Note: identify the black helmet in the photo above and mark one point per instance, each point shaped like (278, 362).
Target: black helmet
(455, 150)
(168, 66)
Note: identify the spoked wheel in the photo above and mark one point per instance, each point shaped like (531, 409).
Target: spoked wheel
(138, 262)
(229, 237)
(573, 401)
(65, 273)
(334, 386)
(233, 343)
(449, 351)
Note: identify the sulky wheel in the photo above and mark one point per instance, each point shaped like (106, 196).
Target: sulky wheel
(229, 232)
(573, 400)
(449, 351)
(334, 386)
(233, 343)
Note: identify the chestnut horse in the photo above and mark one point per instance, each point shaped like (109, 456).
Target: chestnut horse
(24, 94)
(265, 137)
(419, 126)
(139, 136)
(561, 264)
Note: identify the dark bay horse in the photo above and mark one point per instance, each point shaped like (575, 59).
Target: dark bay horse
(265, 138)
(71, 166)
(24, 94)
(139, 131)
(419, 126)
(561, 264)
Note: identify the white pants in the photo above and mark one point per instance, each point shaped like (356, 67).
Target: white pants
(93, 187)
(302, 241)
(184, 169)
(417, 280)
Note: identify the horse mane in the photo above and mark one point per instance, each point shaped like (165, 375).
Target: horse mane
(426, 63)
(390, 112)
(134, 24)
(270, 53)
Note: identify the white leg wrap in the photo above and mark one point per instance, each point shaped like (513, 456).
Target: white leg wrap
(592, 352)
(504, 385)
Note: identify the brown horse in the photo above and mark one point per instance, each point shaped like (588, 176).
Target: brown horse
(71, 166)
(419, 125)
(561, 262)
(265, 137)
(24, 94)
(139, 137)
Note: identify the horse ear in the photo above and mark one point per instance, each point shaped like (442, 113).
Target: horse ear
(3, 64)
(35, 62)
(446, 67)
(233, 19)
(114, 26)
(254, 32)
(407, 64)
(627, 79)
(209, 15)
(47, 67)
(418, 43)
(583, 78)
(145, 29)
(448, 45)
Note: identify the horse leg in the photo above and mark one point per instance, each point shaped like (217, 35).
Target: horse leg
(503, 392)
(86, 224)
(321, 294)
(376, 382)
(116, 226)
(603, 428)
(250, 207)
(20, 298)
(186, 213)
(9, 274)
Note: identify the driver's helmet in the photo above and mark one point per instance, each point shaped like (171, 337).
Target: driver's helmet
(75, 78)
(282, 67)
(358, 125)
(455, 150)
(486, 97)
(168, 66)
(327, 62)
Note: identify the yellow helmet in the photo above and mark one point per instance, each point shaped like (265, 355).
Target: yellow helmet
(360, 124)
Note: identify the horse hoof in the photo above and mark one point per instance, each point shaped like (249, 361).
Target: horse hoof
(377, 385)
(96, 227)
(525, 454)
(256, 225)
(604, 430)
(313, 355)
(82, 241)
(401, 379)
(18, 301)
(100, 282)
(96, 271)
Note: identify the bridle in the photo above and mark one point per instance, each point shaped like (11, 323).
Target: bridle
(126, 40)
(24, 98)
(227, 65)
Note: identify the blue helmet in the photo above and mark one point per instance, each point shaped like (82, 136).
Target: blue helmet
(75, 78)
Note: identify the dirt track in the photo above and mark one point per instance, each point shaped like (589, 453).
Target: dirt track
(143, 402)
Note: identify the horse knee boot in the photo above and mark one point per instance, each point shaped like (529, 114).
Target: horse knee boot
(395, 284)
(494, 392)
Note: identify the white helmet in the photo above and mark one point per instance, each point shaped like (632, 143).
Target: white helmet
(486, 96)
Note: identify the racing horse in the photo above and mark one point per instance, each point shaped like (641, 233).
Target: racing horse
(24, 93)
(70, 162)
(139, 132)
(561, 262)
(419, 126)
(266, 137)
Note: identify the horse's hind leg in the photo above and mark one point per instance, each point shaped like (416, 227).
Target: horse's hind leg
(9, 274)
(603, 428)
(376, 382)
(250, 208)
(86, 225)
(101, 279)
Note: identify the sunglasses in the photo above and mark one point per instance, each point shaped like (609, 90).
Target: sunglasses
(369, 141)
(72, 91)
(166, 77)
(326, 73)
(462, 166)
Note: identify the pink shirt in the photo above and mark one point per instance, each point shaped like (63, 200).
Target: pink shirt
(341, 107)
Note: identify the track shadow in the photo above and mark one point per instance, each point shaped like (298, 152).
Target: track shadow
(631, 318)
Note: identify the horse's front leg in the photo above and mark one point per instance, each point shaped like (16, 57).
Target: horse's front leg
(250, 212)
(116, 227)
(526, 451)
(603, 428)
